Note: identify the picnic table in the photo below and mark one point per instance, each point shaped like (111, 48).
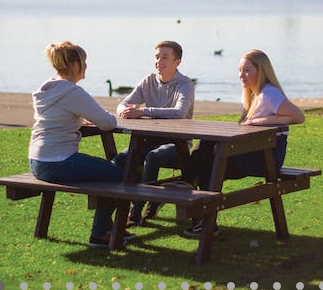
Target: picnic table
(230, 139)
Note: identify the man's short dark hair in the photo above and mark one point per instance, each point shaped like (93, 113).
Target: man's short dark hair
(177, 49)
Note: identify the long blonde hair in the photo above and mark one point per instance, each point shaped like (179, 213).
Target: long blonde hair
(64, 54)
(265, 74)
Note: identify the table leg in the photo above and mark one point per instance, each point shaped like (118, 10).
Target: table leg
(108, 144)
(133, 158)
(219, 166)
(132, 164)
(217, 177)
(276, 202)
(182, 153)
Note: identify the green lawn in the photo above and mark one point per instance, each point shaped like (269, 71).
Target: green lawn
(162, 253)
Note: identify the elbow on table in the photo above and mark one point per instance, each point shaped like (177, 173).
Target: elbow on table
(180, 114)
(299, 118)
(107, 125)
(302, 119)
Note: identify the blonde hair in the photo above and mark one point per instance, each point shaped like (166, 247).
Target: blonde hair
(63, 55)
(265, 74)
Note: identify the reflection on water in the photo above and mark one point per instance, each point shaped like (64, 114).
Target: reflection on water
(122, 49)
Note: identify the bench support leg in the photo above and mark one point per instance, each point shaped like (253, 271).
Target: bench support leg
(206, 237)
(277, 209)
(44, 214)
(116, 240)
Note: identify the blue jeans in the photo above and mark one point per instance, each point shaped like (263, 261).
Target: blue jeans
(82, 167)
(252, 164)
(249, 164)
(153, 158)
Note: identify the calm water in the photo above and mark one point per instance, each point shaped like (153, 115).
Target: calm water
(119, 37)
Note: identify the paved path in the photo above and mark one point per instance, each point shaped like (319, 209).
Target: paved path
(16, 108)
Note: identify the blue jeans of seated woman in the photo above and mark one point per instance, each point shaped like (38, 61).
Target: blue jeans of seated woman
(82, 167)
(249, 164)
(252, 164)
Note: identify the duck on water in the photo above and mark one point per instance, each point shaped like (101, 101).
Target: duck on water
(120, 90)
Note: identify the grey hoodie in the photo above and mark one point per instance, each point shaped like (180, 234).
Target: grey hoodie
(174, 100)
(59, 109)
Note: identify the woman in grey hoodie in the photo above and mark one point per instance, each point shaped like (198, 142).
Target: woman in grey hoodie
(60, 107)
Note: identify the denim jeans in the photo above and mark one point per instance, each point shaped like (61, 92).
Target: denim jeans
(253, 164)
(249, 164)
(82, 167)
(152, 159)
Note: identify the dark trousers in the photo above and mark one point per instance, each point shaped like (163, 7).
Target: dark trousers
(249, 164)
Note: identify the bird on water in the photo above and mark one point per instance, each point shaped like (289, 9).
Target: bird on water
(120, 90)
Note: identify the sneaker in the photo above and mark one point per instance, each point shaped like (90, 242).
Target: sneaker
(151, 210)
(195, 230)
(133, 217)
(132, 223)
(103, 241)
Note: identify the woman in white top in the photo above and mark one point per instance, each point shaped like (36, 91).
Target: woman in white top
(60, 109)
(264, 103)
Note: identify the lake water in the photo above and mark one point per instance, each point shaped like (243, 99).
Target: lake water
(119, 37)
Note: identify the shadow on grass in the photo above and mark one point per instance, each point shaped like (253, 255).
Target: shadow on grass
(68, 242)
(238, 255)
(9, 125)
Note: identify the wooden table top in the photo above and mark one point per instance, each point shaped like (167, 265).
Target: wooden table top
(192, 129)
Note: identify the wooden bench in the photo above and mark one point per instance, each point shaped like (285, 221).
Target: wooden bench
(189, 203)
(297, 173)
(290, 179)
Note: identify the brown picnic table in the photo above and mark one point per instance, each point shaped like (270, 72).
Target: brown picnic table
(230, 138)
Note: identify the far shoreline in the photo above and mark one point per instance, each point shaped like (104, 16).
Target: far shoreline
(27, 94)
(16, 108)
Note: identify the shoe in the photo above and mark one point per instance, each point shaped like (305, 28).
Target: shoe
(100, 242)
(103, 242)
(133, 217)
(132, 223)
(151, 210)
(195, 230)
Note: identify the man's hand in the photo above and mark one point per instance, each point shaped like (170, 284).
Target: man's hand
(132, 112)
(248, 122)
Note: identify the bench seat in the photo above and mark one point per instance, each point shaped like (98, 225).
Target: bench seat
(290, 179)
(190, 203)
(297, 173)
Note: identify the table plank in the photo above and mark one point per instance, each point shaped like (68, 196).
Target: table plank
(191, 129)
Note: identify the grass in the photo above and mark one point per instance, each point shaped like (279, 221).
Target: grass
(162, 253)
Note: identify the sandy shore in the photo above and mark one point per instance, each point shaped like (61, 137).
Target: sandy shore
(16, 108)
